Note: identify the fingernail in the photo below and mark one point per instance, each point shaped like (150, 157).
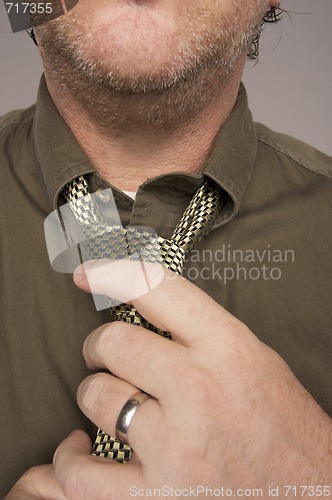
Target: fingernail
(78, 275)
(88, 392)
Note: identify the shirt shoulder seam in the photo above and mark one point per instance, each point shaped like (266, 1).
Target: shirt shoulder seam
(5, 126)
(280, 149)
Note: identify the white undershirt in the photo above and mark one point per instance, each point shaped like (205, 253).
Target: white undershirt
(131, 194)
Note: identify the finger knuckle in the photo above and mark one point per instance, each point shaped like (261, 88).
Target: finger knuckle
(116, 342)
(91, 346)
(111, 335)
(29, 476)
(103, 340)
(93, 387)
(202, 387)
(73, 484)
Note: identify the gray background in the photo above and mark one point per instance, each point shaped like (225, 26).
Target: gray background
(290, 89)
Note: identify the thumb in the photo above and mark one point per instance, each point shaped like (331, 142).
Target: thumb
(124, 280)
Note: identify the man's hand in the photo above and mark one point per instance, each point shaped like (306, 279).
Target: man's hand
(37, 483)
(226, 410)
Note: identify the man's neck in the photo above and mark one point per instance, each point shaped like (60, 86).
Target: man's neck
(126, 160)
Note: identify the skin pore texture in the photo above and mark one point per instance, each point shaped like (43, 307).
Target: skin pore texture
(145, 85)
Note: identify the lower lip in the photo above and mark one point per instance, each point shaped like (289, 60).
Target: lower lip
(136, 15)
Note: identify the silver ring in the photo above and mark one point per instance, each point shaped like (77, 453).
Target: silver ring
(127, 414)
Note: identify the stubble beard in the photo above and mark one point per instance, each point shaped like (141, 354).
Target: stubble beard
(160, 103)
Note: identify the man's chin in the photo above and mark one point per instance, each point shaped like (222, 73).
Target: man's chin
(140, 43)
(128, 81)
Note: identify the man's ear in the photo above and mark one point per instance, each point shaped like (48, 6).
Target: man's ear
(274, 3)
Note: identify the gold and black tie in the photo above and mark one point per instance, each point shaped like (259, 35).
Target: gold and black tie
(104, 240)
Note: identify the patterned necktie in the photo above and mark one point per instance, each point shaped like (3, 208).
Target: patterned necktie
(108, 241)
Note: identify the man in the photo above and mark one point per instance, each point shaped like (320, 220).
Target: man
(145, 96)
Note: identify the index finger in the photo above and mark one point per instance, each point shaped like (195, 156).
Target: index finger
(172, 304)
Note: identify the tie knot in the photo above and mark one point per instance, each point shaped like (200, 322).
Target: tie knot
(103, 239)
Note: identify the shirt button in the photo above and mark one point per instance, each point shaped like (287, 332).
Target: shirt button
(103, 196)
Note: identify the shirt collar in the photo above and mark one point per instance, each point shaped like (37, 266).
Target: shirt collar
(57, 153)
(233, 155)
(230, 163)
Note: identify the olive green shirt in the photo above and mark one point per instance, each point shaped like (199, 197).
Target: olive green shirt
(267, 260)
